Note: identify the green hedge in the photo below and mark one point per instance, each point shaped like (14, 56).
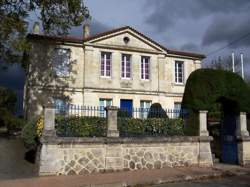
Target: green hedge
(81, 126)
(128, 127)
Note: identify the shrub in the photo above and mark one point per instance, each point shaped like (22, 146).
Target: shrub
(81, 126)
(156, 111)
(150, 127)
(29, 134)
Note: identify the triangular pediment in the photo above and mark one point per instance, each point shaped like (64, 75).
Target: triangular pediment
(126, 37)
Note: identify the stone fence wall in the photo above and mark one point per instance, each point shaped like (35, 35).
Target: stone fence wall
(69, 156)
(64, 155)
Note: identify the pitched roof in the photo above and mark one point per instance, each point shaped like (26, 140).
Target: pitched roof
(99, 35)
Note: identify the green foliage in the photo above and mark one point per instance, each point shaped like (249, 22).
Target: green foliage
(7, 99)
(132, 127)
(206, 87)
(156, 111)
(57, 17)
(7, 108)
(29, 134)
(81, 126)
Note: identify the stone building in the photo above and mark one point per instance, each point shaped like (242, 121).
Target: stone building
(121, 67)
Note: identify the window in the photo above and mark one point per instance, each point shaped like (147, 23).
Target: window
(144, 106)
(177, 109)
(104, 103)
(145, 67)
(179, 72)
(126, 66)
(105, 64)
(60, 105)
(61, 61)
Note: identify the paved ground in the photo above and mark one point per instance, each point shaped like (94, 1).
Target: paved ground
(237, 181)
(12, 162)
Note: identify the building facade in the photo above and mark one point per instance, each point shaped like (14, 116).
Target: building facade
(121, 67)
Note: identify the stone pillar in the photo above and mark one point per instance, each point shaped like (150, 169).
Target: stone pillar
(242, 125)
(243, 140)
(203, 123)
(49, 122)
(112, 121)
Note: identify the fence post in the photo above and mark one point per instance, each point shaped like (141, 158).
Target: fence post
(242, 125)
(112, 121)
(49, 121)
(203, 123)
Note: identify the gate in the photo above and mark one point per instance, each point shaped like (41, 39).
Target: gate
(228, 139)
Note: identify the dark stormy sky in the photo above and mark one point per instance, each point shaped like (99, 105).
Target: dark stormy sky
(213, 27)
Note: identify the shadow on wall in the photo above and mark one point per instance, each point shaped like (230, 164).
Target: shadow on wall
(42, 82)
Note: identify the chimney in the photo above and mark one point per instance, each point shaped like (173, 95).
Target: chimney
(36, 28)
(86, 30)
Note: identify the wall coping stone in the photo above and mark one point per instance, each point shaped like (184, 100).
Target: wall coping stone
(120, 140)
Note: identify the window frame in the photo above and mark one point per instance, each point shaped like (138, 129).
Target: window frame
(102, 108)
(55, 65)
(143, 68)
(125, 66)
(105, 65)
(144, 114)
(176, 72)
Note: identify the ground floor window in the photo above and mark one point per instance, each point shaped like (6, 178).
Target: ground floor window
(104, 103)
(144, 106)
(61, 105)
(177, 109)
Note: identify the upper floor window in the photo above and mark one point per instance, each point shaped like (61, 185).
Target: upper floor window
(179, 72)
(105, 64)
(126, 66)
(61, 62)
(145, 67)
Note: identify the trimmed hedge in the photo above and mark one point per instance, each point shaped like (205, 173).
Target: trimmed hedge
(81, 126)
(206, 88)
(128, 127)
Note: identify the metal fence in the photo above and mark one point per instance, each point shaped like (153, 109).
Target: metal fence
(99, 111)
(78, 110)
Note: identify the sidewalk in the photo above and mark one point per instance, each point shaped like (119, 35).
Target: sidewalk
(129, 178)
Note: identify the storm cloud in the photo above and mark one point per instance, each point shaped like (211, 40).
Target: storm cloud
(167, 13)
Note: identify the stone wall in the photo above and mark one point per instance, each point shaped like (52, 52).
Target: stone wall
(69, 156)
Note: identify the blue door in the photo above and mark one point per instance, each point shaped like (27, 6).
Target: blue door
(228, 139)
(126, 106)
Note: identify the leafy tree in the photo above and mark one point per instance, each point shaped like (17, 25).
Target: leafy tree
(57, 17)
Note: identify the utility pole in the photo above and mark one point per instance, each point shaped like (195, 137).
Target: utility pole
(233, 61)
(242, 65)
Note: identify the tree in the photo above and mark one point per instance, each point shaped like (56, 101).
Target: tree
(57, 17)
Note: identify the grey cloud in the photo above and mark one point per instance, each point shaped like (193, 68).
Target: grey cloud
(226, 28)
(165, 14)
(191, 47)
(95, 27)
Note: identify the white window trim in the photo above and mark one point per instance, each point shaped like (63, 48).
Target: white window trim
(183, 73)
(105, 61)
(125, 69)
(144, 72)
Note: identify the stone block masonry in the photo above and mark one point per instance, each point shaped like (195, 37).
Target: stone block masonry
(69, 156)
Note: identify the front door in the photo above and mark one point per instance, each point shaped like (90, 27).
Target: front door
(228, 139)
(126, 105)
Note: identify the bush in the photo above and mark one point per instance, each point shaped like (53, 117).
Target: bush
(81, 126)
(156, 111)
(11, 122)
(150, 127)
(29, 134)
